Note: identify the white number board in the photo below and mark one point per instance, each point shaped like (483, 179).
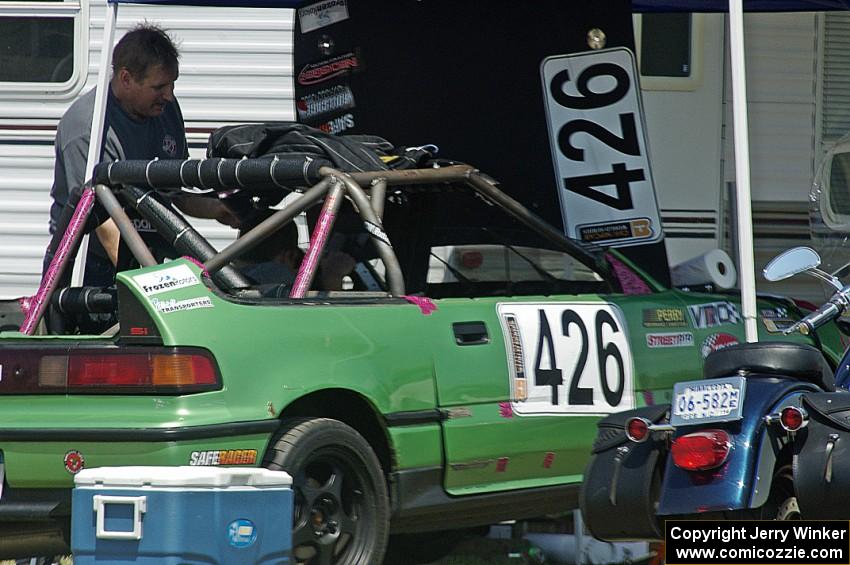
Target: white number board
(567, 358)
(597, 137)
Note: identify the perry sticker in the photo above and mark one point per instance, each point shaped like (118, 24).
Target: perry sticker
(567, 358)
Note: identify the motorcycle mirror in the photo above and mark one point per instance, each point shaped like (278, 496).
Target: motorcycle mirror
(790, 263)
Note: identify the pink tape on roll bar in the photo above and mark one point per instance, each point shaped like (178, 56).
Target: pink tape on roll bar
(311, 260)
(38, 303)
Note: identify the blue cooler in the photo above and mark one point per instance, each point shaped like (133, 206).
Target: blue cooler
(175, 515)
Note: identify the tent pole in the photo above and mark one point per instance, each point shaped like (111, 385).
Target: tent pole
(98, 117)
(742, 170)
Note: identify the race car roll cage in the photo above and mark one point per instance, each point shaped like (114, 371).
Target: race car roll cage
(134, 181)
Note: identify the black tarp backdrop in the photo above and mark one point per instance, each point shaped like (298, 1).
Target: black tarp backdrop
(464, 76)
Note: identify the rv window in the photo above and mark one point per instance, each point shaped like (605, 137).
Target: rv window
(34, 49)
(42, 46)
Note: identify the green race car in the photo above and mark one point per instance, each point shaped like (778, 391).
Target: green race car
(454, 381)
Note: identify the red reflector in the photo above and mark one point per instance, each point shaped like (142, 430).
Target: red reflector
(637, 429)
(701, 450)
(792, 418)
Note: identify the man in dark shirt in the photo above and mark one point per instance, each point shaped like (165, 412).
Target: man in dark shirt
(143, 121)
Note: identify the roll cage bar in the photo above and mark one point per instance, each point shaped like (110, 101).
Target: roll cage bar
(135, 181)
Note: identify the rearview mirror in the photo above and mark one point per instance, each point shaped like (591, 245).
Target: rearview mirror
(791, 262)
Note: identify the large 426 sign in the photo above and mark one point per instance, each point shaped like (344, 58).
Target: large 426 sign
(596, 131)
(567, 358)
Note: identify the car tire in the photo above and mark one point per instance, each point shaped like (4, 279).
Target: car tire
(341, 507)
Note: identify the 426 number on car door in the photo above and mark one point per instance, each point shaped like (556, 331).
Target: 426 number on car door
(567, 358)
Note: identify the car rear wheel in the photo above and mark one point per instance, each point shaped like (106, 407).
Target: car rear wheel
(341, 508)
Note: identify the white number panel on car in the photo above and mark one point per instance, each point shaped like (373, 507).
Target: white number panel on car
(567, 358)
(595, 121)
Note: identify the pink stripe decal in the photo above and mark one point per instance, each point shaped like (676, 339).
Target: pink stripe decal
(426, 305)
(630, 281)
(51, 277)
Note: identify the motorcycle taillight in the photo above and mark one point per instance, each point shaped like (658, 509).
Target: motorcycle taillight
(701, 450)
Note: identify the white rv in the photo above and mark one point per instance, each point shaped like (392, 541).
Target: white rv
(236, 66)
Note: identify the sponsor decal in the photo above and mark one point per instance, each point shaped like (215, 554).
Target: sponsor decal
(639, 228)
(223, 457)
(776, 326)
(664, 318)
(517, 358)
(165, 280)
(680, 339)
(716, 342)
(502, 464)
(337, 125)
(322, 14)
(325, 101)
(142, 224)
(777, 313)
(548, 459)
(241, 533)
(713, 314)
(74, 462)
(173, 305)
(316, 73)
(169, 145)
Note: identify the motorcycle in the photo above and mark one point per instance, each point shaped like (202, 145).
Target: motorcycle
(764, 435)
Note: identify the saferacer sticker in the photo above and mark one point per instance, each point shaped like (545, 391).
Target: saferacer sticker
(168, 306)
(567, 358)
(223, 457)
(165, 280)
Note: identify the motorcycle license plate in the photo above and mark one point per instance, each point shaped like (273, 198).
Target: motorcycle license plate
(711, 400)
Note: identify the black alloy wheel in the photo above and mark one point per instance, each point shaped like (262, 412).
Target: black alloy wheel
(341, 507)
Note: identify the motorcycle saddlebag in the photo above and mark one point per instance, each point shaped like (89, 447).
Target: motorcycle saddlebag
(621, 482)
(822, 458)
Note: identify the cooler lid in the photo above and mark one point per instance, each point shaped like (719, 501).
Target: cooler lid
(185, 476)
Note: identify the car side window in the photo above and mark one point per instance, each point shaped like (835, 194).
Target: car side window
(494, 262)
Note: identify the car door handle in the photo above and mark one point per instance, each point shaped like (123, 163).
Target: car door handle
(470, 333)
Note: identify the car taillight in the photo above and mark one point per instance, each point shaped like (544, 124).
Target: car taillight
(700, 451)
(107, 370)
(637, 429)
(792, 418)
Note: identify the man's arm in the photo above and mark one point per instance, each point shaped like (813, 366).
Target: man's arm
(205, 207)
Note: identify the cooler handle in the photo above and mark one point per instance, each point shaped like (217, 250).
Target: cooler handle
(139, 507)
